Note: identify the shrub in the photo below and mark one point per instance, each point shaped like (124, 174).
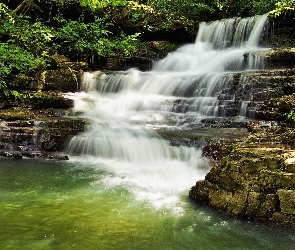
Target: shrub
(14, 60)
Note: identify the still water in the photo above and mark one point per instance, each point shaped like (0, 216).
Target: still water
(75, 205)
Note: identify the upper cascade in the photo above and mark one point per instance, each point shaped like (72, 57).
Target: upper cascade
(220, 46)
(234, 32)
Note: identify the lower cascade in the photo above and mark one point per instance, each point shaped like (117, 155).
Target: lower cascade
(192, 85)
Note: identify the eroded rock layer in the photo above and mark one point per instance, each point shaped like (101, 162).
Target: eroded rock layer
(257, 178)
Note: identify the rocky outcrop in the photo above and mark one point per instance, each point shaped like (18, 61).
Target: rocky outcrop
(256, 180)
(33, 116)
(63, 76)
(37, 134)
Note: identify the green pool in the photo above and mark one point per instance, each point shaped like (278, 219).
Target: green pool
(74, 205)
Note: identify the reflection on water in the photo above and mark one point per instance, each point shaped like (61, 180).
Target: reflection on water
(67, 205)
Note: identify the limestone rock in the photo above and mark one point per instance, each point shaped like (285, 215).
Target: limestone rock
(287, 201)
(252, 182)
(62, 80)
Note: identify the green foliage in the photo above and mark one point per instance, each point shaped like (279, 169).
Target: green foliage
(263, 6)
(26, 42)
(242, 8)
(25, 45)
(19, 96)
(81, 38)
(33, 37)
(21, 46)
(192, 10)
(126, 45)
(85, 39)
(203, 10)
(99, 4)
(14, 59)
(284, 7)
(291, 116)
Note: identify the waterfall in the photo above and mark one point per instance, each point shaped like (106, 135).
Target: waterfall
(190, 85)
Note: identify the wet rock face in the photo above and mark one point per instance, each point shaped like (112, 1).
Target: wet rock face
(255, 181)
(40, 133)
(280, 58)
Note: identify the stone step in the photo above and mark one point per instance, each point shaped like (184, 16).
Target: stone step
(42, 135)
(290, 162)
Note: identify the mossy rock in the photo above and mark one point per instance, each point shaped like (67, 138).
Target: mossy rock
(281, 58)
(76, 66)
(16, 113)
(162, 48)
(256, 180)
(62, 62)
(286, 103)
(24, 82)
(64, 80)
(277, 108)
(287, 203)
(39, 100)
(57, 132)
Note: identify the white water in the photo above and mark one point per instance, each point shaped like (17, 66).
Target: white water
(181, 90)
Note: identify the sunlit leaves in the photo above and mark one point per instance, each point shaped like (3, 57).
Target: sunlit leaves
(284, 7)
(99, 4)
(34, 37)
(15, 59)
(4, 12)
(136, 6)
(85, 39)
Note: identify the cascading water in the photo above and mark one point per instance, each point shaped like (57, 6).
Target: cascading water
(189, 85)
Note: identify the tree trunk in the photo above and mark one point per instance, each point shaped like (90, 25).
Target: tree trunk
(23, 5)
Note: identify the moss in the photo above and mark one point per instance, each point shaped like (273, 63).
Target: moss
(24, 82)
(287, 198)
(162, 48)
(39, 100)
(281, 58)
(61, 80)
(55, 133)
(15, 114)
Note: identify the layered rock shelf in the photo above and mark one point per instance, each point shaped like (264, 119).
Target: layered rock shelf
(40, 134)
(256, 180)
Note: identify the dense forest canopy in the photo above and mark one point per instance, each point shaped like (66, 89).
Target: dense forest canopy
(32, 31)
